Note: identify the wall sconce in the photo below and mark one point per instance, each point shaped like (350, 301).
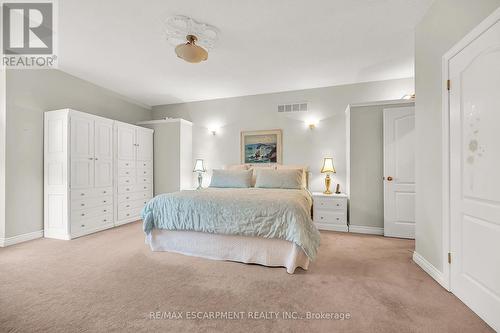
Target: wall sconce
(311, 123)
(213, 129)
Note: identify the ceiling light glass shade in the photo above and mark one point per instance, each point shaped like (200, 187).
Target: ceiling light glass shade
(328, 166)
(191, 52)
(199, 166)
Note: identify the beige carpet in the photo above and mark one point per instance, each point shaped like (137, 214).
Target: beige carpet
(111, 281)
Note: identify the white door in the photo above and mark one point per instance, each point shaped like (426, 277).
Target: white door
(144, 145)
(103, 145)
(126, 142)
(82, 152)
(475, 175)
(399, 172)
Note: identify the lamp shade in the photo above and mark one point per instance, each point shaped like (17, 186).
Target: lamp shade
(190, 51)
(328, 166)
(199, 166)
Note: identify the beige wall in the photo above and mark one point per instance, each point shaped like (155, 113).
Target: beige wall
(29, 94)
(446, 22)
(300, 144)
(366, 197)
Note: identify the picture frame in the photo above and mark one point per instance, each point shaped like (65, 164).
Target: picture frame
(261, 147)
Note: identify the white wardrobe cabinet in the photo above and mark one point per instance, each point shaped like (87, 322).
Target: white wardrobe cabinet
(81, 179)
(134, 170)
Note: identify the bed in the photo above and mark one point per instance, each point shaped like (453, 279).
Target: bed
(266, 226)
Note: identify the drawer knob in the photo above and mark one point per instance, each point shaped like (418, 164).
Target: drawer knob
(127, 206)
(126, 164)
(145, 187)
(83, 225)
(338, 205)
(144, 172)
(105, 210)
(128, 214)
(127, 198)
(127, 173)
(128, 189)
(104, 201)
(82, 204)
(321, 217)
(104, 220)
(104, 192)
(127, 181)
(82, 194)
(83, 214)
(338, 218)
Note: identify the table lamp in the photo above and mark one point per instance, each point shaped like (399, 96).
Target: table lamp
(328, 168)
(200, 168)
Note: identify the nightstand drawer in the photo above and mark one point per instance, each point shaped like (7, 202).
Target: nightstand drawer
(329, 217)
(330, 203)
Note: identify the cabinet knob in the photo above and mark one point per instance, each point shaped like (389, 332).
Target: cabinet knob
(95, 158)
(104, 220)
(321, 217)
(104, 192)
(83, 225)
(128, 214)
(82, 194)
(82, 204)
(389, 179)
(104, 201)
(105, 210)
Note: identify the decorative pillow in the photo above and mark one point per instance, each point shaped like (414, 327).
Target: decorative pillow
(258, 166)
(301, 167)
(285, 178)
(231, 178)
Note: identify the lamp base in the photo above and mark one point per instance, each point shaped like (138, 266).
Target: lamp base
(327, 185)
(200, 180)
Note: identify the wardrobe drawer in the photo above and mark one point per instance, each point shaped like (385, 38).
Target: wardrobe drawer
(134, 196)
(90, 193)
(125, 172)
(126, 164)
(321, 216)
(126, 188)
(127, 205)
(91, 202)
(144, 172)
(144, 165)
(143, 179)
(80, 227)
(128, 214)
(83, 214)
(126, 180)
(330, 203)
(143, 187)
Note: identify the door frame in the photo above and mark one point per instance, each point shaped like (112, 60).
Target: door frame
(445, 140)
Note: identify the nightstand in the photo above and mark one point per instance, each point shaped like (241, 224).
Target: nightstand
(330, 211)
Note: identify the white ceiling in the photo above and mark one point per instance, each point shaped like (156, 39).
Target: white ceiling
(264, 45)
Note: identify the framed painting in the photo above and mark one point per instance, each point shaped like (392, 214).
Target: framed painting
(261, 146)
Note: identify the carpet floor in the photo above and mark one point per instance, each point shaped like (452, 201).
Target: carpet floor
(111, 281)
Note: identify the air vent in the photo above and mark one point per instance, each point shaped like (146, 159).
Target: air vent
(295, 107)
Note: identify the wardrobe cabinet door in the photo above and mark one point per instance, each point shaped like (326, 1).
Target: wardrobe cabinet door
(144, 145)
(82, 152)
(103, 174)
(126, 142)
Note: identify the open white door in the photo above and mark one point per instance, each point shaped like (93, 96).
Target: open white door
(399, 172)
(474, 74)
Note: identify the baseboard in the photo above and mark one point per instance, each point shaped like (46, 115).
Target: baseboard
(20, 238)
(360, 229)
(331, 227)
(430, 269)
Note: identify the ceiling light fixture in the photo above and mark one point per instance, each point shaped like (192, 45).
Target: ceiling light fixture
(201, 38)
(190, 51)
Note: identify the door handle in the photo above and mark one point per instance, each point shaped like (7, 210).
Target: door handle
(389, 179)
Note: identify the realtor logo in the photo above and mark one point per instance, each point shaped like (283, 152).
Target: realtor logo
(27, 28)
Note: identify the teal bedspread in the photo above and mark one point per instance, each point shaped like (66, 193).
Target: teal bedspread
(256, 212)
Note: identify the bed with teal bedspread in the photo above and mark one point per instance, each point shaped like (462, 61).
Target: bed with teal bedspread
(255, 212)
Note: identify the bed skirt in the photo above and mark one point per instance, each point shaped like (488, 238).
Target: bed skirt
(254, 250)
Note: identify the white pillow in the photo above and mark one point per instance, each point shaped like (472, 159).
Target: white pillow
(258, 166)
(284, 178)
(231, 178)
